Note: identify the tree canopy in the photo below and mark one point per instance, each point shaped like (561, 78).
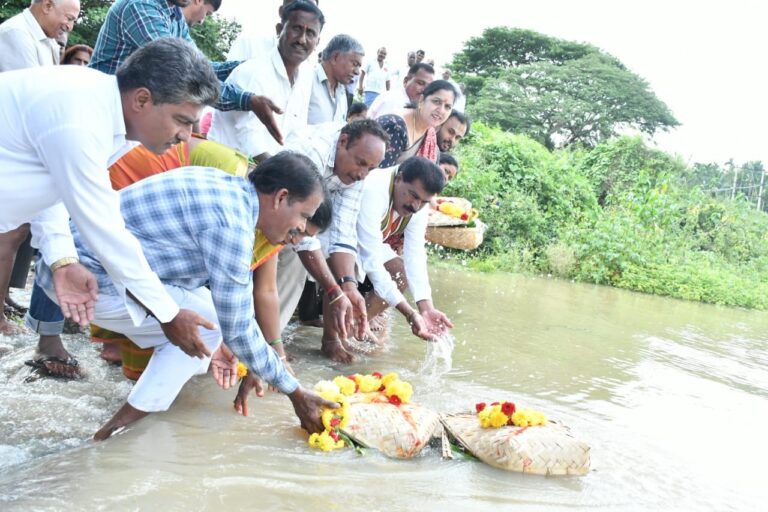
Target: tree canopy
(557, 92)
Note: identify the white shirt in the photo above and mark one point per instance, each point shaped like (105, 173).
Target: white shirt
(372, 250)
(264, 75)
(391, 102)
(250, 45)
(318, 143)
(60, 129)
(375, 77)
(23, 44)
(324, 107)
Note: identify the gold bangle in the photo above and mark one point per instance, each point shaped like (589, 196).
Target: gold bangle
(63, 262)
(338, 297)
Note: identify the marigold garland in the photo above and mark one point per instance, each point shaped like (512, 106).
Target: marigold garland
(500, 414)
(397, 392)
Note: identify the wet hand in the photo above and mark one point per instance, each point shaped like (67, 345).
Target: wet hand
(249, 382)
(308, 407)
(341, 315)
(76, 291)
(183, 332)
(265, 110)
(419, 327)
(224, 367)
(437, 322)
(357, 321)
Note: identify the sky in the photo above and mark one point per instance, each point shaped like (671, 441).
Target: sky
(705, 59)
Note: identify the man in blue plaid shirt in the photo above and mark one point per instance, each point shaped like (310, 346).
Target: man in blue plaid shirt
(196, 226)
(130, 24)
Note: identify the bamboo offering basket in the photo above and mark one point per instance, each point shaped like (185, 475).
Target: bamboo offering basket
(452, 232)
(397, 431)
(542, 450)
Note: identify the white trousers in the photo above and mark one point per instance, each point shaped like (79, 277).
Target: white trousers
(169, 368)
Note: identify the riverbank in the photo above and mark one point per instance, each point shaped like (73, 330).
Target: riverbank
(621, 214)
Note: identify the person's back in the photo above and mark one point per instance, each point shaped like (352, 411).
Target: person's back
(129, 23)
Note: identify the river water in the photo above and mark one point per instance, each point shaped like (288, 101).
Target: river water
(672, 396)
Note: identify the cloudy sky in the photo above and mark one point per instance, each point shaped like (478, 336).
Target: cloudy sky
(705, 59)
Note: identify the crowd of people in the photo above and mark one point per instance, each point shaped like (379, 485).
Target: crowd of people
(185, 208)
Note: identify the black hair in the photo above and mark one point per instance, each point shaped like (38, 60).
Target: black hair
(426, 171)
(463, 119)
(215, 3)
(421, 65)
(289, 170)
(302, 5)
(356, 129)
(433, 87)
(323, 215)
(357, 107)
(447, 158)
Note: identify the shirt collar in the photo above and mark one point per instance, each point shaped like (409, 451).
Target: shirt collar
(34, 26)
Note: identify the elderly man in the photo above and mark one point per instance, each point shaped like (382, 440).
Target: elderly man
(130, 24)
(393, 217)
(28, 40)
(277, 75)
(54, 156)
(455, 128)
(196, 226)
(197, 10)
(341, 61)
(394, 101)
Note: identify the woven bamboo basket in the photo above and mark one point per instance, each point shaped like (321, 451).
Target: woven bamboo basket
(457, 237)
(540, 450)
(397, 431)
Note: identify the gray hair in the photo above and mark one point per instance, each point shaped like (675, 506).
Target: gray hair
(342, 43)
(173, 70)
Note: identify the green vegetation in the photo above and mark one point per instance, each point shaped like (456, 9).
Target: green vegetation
(620, 214)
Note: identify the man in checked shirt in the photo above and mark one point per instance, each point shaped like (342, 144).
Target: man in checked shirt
(196, 226)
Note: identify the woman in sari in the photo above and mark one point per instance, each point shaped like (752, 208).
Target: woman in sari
(413, 133)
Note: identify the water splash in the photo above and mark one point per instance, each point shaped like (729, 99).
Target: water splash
(439, 357)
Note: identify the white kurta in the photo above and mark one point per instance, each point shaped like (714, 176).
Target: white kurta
(23, 44)
(60, 129)
(372, 250)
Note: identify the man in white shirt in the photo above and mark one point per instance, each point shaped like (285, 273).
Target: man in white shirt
(60, 129)
(248, 45)
(394, 101)
(277, 76)
(28, 40)
(374, 78)
(341, 61)
(393, 217)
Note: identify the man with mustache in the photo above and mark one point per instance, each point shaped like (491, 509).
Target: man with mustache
(393, 218)
(419, 76)
(277, 75)
(341, 61)
(455, 128)
(54, 156)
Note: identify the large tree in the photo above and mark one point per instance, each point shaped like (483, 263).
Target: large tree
(558, 92)
(213, 37)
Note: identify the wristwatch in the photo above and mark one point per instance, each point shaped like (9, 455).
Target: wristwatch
(347, 279)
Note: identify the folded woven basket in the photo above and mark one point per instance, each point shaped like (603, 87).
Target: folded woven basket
(457, 237)
(542, 450)
(397, 431)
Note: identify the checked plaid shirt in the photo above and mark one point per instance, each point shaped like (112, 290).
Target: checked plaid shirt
(196, 227)
(131, 24)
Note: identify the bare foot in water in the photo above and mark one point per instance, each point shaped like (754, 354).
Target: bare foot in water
(379, 322)
(9, 328)
(335, 351)
(124, 417)
(110, 352)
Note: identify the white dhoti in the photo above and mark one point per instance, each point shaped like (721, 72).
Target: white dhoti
(291, 276)
(169, 368)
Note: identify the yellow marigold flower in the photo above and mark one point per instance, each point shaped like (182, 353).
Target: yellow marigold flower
(345, 384)
(369, 384)
(498, 418)
(385, 380)
(328, 390)
(403, 390)
(327, 416)
(485, 421)
(242, 370)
